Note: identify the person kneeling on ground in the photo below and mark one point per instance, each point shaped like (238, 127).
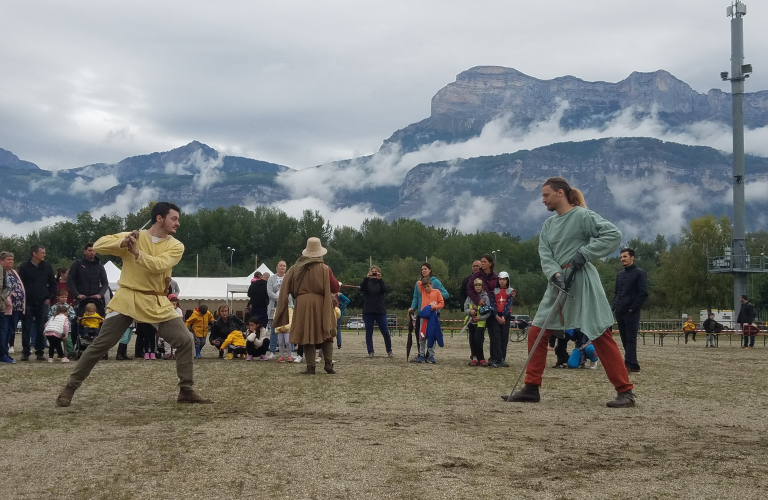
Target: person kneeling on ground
(234, 345)
(221, 328)
(256, 340)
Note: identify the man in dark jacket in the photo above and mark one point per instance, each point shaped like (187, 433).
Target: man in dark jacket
(629, 295)
(747, 316)
(40, 287)
(87, 278)
(259, 299)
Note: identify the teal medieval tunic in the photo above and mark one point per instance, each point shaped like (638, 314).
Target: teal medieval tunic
(587, 308)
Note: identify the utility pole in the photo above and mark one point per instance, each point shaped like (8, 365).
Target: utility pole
(738, 75)
(737, 260)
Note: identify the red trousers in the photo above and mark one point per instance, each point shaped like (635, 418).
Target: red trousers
(605, 347)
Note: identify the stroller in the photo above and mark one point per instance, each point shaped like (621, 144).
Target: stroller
(85, 338)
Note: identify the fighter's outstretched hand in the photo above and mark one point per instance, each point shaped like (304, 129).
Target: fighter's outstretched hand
(578, 261)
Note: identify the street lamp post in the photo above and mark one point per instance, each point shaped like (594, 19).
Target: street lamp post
(494, 255)
(231, 255)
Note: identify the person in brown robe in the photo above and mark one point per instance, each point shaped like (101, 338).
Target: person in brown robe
(311, 284)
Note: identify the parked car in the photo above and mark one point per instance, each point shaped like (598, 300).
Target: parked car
(521, 321)
(355, 323)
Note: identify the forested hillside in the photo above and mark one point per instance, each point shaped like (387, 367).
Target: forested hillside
(677, 271)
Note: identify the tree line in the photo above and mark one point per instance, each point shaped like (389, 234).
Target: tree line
(678, 278)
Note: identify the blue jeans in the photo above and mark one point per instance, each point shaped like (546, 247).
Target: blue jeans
(7, 330)
(338, 332)
(749, 340)
(32, 327)
(272, 338)
(381, 320)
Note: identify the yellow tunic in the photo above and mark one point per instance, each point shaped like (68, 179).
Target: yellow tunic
(151, 272)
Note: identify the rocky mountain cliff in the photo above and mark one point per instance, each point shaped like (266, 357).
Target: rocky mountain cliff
(195, 175)
(461, 109)
(645, 186)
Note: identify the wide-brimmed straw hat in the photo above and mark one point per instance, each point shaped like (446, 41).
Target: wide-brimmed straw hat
(314, 248)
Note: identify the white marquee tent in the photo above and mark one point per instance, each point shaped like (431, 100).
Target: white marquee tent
(194, 290)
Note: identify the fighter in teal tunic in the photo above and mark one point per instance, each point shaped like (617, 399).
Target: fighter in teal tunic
(584, 231)
(568, 242)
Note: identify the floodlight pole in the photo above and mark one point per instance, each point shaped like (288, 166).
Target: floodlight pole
(231, 255)
(739, 251)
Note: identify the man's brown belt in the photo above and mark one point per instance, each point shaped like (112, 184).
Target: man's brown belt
(146, 292)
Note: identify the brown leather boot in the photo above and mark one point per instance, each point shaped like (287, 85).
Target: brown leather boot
(65, 397)
(309, 371)
(528, 394)
(329, 369)
(187, 395)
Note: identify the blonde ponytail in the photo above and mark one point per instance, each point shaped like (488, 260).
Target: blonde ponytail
(576, 199)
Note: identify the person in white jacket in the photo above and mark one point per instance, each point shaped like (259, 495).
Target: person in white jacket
(273, 289)
(256, 341)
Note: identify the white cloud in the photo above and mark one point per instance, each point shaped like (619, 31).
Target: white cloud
(75, 92)
(207, 170)
(9, 228)
(99, 184)
(130, 200)
(349, 216)
(468, 213)
(664, 202)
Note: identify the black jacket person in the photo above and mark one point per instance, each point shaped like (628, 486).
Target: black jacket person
(630, 293)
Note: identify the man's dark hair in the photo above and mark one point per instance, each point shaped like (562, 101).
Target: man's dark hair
(257, 274)
(87, 246)
(745, 298)
(36, 248)
(628, 250)
(203, 309)
(162, 208)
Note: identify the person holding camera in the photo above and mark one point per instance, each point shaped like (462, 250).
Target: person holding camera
(373, 289)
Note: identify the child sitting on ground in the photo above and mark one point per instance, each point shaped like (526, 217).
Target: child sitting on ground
(91, 321)
(61, 300)
(57, 329)
(433, 299)
(234, 345)
(283, 343)
(256, 340)
(477, 316)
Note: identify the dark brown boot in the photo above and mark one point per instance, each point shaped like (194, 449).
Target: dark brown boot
(65, 397)
(187, 395)
(528, 394)
(329, 369)
(624, 399)
(309, 371)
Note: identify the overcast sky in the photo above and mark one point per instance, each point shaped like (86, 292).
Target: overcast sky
(301, 83)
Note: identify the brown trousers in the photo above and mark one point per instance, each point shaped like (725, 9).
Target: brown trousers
(309, 352)
(173, 331)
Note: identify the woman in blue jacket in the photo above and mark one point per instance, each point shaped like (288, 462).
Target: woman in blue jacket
(426, 271)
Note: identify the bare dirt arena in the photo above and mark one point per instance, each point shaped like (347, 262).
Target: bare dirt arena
(384, 428)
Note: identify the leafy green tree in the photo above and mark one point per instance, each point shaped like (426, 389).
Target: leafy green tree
(685, 279)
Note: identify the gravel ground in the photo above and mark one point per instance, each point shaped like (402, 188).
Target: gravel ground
(383, 428)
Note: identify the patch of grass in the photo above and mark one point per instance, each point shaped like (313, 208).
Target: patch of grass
(384, 428)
